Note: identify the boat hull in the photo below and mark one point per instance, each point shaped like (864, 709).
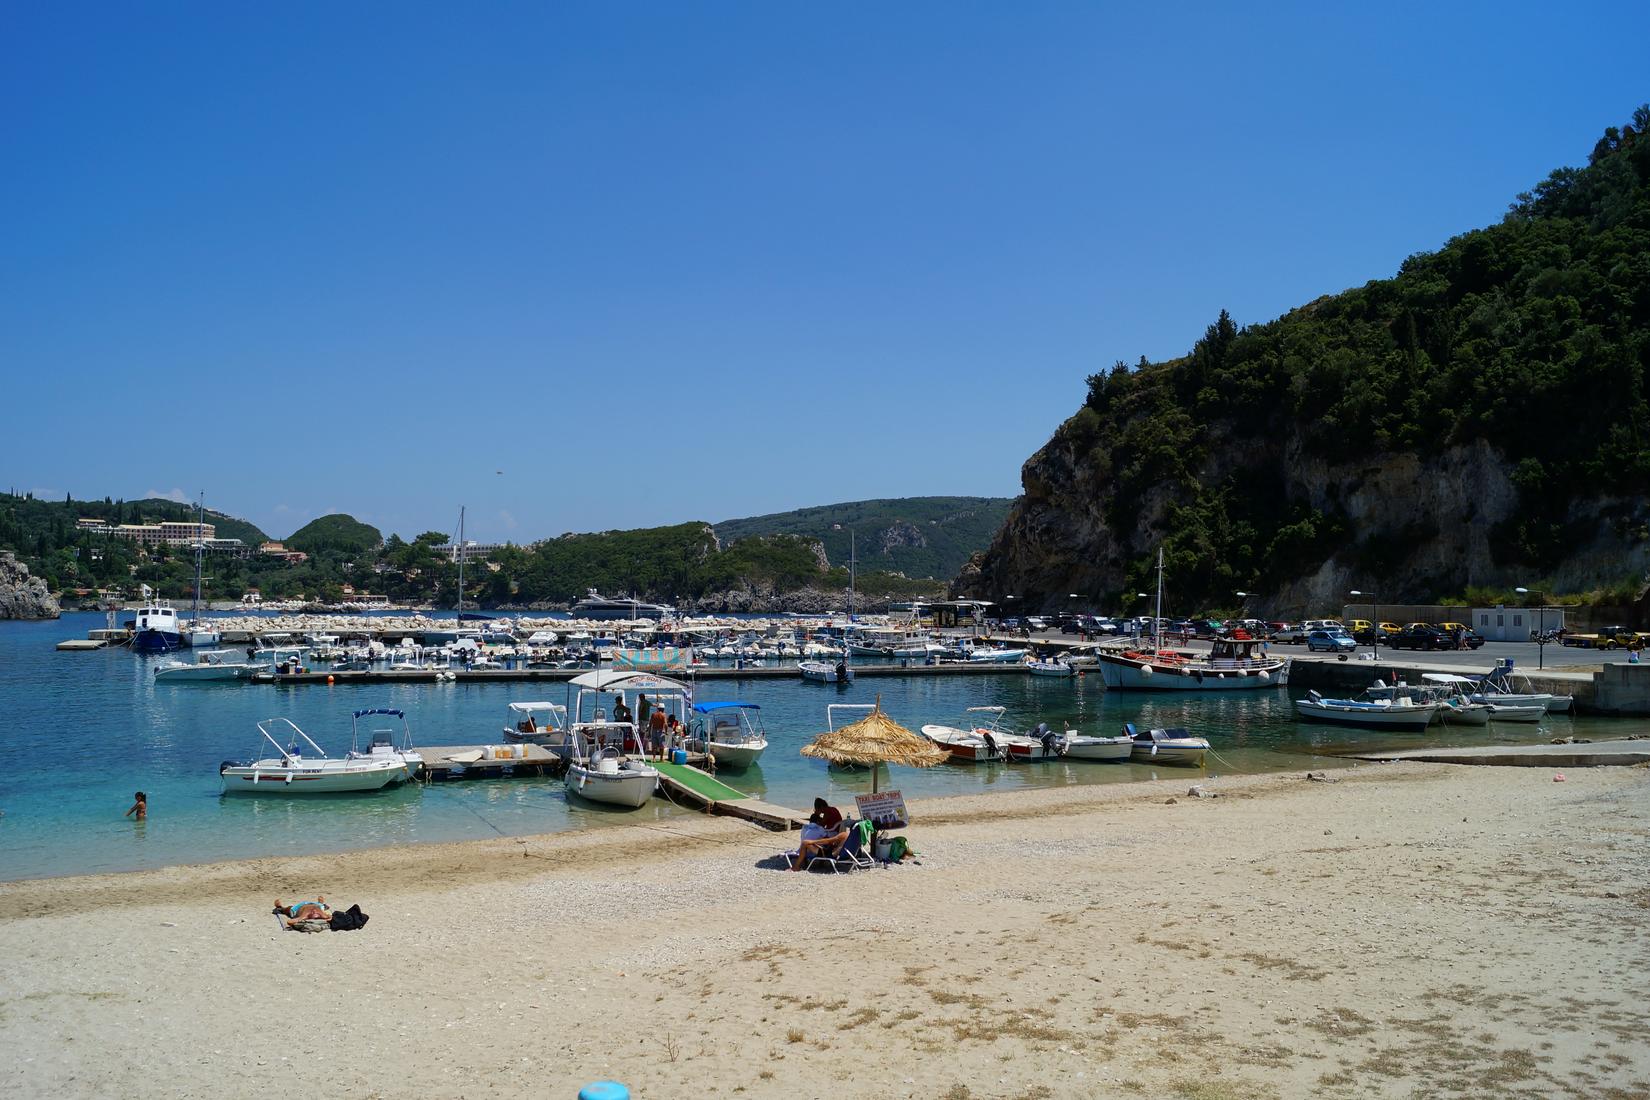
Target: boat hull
(192, 674)
(313, 778)
(1053, 670)
(1159, 753)
(156, 641)
(1526, 713)
(629, 789)
(736, 756)
(965, 748)
(1120, 674)
(822, 673)
(1384, 718)
(1104, 750)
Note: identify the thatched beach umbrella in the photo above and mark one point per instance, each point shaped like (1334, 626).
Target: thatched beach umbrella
(875, 739)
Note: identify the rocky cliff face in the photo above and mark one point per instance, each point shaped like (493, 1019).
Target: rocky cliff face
(23, 596)
(1436, 520)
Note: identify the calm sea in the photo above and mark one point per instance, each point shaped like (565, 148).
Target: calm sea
(83, 731)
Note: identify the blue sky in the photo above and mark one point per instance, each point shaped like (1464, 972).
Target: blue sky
(582, 266)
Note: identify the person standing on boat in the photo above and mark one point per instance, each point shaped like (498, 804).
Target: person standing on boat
(656, 728)
(621, 713)
(643, 709)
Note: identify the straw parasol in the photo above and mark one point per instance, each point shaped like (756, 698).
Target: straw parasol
(875, 739)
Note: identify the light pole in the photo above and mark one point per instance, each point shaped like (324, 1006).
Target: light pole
(1540, 632)
(1142, 596)
(1374, 622)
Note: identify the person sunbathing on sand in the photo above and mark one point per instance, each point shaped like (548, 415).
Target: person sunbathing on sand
(304, 910)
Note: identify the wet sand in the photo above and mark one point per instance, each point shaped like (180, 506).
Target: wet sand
(1411, 929)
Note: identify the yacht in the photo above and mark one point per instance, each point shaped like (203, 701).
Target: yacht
(598, 607)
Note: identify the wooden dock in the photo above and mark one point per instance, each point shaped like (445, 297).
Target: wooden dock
(687, 785)
(443, 762)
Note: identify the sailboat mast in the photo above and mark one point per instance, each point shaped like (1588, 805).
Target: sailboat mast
(459, 549)
(1157, 621)
(200, 548)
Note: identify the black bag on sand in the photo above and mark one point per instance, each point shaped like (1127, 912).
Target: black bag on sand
(348, 920)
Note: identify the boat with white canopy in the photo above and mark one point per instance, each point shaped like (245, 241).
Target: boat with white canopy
(539, 723)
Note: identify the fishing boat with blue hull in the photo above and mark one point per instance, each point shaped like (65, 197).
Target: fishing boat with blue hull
(156, 630)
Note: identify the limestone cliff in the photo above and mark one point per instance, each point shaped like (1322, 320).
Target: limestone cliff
(23, 596)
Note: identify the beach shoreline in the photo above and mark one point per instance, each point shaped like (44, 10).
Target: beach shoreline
(1407, 927)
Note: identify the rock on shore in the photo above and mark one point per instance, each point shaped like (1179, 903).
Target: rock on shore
(23, 596)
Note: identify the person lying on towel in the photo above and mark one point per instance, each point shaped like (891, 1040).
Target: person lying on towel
(304, 910)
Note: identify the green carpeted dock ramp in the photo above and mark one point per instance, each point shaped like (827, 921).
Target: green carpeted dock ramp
(687, 785)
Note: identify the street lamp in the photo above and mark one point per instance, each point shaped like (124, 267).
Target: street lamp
(1374, 624)
(1540, 633)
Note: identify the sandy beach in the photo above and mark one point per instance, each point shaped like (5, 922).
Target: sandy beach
(1409, 930)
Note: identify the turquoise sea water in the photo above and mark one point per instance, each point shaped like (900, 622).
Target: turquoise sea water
(80, 732)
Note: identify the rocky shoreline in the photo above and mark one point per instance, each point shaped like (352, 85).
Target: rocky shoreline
(23, 596)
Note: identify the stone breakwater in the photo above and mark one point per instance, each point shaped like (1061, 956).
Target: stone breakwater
(345, 625)
(21, 595)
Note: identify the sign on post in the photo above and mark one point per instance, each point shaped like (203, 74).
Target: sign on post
(886, 809)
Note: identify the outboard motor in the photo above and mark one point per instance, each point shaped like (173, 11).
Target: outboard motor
(1046, 736)
(1129, 731)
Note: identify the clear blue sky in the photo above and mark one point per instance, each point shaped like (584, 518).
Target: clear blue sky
(660, 262)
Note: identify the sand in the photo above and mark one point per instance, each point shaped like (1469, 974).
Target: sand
(1411, 930)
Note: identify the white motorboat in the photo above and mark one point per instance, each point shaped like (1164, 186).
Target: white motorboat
(825, 672)
(600, 766)
(731, 732)
(1108, 749)
(1166, 746)
(1505, 688)
(291, 772)
(538, 724)
(211, 666)
(1050, 668)
(1402, 712)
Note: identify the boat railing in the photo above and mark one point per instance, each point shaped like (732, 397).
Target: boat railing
(286, 751)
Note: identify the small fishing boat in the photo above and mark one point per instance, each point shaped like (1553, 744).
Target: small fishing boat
(1526, 712)
(1105, 749)
(730, 732)
(1165, 746)
(211, 666)
(600, 767)
(156, 628)
(291, 772)
(1402, 712)
(1050, 668)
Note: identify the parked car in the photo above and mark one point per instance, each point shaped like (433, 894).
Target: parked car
(1330, 641)
(1207, 628)
(1422, 636)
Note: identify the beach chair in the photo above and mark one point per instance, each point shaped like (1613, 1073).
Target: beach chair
(853, 855)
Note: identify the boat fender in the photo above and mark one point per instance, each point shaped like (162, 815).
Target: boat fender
(1145, 669)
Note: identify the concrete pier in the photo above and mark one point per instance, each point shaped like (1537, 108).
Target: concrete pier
(1595, 755)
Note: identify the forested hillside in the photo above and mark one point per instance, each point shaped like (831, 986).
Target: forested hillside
(916, 536)
(1479, 419)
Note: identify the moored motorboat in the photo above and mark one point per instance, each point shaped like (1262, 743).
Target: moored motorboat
(156, 629)
(1511, 712)
(1165, 746)
(1105, 749)
(291, 772)
(600, 767)
(537, 724)
(987, 741)
(1402, 712)
(825, 672)
(1232, 664)
(730, 732)
(212, 666)
(1050, 668)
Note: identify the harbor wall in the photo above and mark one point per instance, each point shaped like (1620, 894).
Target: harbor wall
(1622, 690)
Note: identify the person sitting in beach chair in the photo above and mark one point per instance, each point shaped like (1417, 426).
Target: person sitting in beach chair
(825, 831)
(852, 852)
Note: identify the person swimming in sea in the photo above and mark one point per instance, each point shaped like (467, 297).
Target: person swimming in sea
(140, 807)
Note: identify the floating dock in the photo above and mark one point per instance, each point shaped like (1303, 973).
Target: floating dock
(557, 675)
(685, 784)
(442, 762)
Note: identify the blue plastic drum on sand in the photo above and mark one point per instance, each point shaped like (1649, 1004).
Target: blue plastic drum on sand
(604, 1090)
